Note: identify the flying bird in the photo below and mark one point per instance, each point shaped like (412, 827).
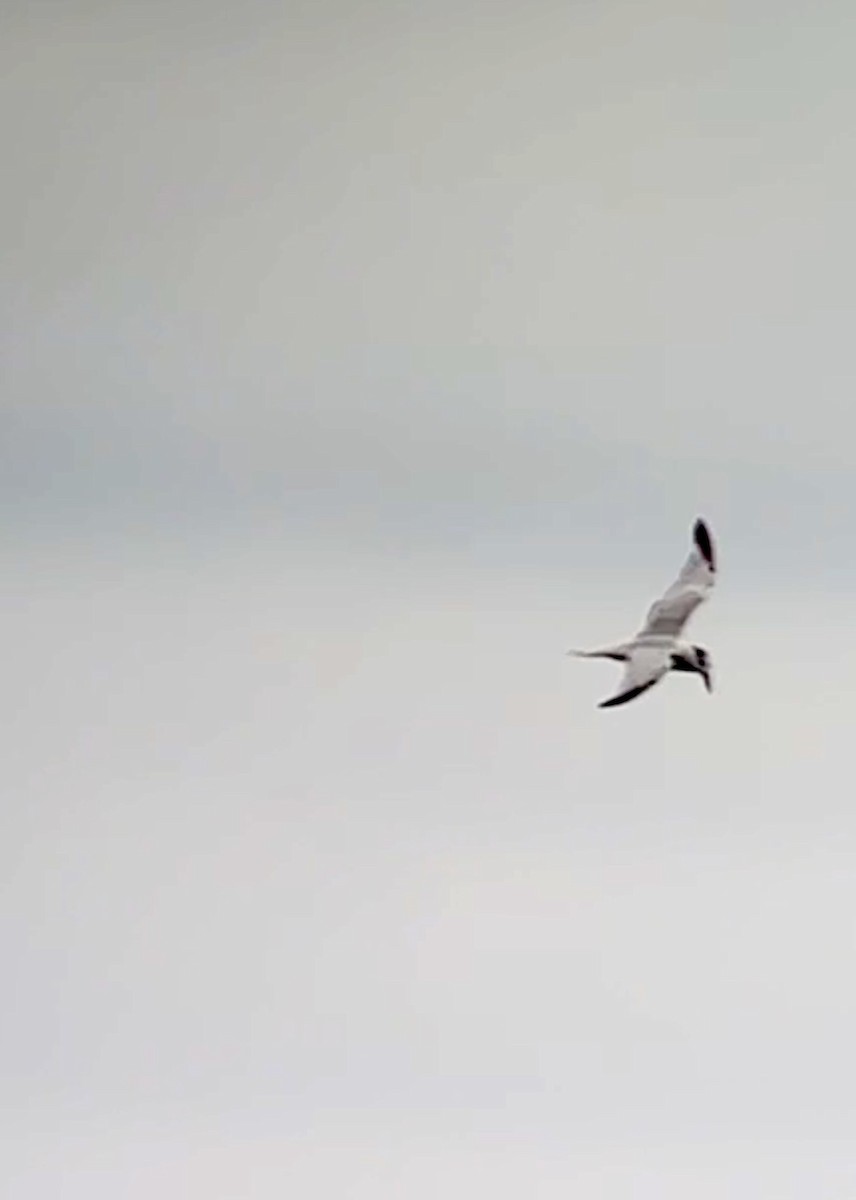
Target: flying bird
(657, 648)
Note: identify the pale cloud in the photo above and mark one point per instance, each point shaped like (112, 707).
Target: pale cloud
(359, 361)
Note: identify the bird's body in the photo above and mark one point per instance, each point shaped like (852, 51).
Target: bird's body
(658, 648)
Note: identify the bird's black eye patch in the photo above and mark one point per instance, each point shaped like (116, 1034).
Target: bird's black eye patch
(701, 655)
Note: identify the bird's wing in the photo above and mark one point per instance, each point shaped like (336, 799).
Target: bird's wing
(668, 615)
(646, 665)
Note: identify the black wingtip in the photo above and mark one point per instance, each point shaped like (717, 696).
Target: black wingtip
(624, 697)
(704, 542)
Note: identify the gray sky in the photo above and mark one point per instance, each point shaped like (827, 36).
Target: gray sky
(358, 360)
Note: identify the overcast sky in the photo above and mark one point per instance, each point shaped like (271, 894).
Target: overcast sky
(359, 359)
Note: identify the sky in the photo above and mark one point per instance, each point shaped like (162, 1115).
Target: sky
(359, 360)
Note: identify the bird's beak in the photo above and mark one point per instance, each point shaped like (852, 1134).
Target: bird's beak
(708, 683)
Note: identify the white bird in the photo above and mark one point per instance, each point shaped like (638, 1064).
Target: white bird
(657, 648)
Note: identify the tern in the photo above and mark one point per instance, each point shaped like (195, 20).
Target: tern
(657, 648)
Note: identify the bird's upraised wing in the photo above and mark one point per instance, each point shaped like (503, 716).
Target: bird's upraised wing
(668, 615)
(646, 665)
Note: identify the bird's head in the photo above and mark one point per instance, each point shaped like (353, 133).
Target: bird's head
(702, 663)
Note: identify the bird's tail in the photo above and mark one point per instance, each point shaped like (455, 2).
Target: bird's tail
(618, 653)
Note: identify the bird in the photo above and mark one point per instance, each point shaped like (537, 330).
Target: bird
(657, 648)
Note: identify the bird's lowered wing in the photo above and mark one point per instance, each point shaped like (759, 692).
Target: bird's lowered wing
(646, 665)
(668, 615)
